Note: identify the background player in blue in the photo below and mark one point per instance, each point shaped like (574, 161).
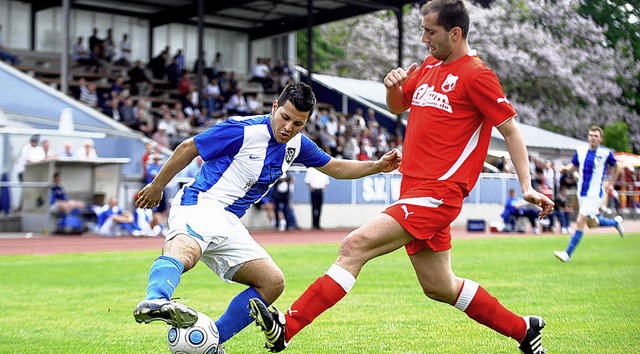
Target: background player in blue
(244, 157)
(592, 162)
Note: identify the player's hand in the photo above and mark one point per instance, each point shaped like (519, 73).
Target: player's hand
(399, 76)
(541, 200)
(149, 196)
(390, 161)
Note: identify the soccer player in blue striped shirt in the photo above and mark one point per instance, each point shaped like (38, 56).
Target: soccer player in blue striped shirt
(244, 157)
(591, 161)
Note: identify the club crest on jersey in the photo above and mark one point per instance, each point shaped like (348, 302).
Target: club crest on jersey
(288, 156)
(449, 83)
(249, 184)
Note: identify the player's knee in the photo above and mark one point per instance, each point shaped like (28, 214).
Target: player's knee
(354, 246)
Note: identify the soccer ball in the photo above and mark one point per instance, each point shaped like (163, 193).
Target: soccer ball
(200, 338)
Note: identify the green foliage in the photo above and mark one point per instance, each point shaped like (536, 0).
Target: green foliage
(616, 136)
(82, 303)
(325, 50)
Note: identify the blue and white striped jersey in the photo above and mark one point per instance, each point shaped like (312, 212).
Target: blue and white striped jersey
(592, 165)
(242, 161)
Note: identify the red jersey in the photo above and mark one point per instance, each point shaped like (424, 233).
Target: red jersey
(453, 109)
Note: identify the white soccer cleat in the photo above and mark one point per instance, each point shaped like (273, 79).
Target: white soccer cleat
(619, 226)
(563, 256)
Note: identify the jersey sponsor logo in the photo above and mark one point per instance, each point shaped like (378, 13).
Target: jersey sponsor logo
(449, 83)
(291, 152)
(427, 96)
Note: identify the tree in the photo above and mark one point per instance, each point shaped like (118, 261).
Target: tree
(616, 136)
(558, 68)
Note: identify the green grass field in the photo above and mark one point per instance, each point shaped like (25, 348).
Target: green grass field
(82, 303)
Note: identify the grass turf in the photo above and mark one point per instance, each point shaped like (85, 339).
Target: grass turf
(82, 303)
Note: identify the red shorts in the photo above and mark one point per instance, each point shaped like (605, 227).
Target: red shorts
(426, 209)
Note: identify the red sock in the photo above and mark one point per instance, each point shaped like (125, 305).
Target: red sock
(480, 306)
(319, 297)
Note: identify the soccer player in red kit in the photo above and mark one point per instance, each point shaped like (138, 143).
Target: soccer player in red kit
(455, 101)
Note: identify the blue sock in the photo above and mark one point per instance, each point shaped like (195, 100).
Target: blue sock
(164, 277)
(575, 240)
(606, 222)
(237, 317)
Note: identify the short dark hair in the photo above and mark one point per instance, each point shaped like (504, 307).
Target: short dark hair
(451, 13)
(300, 95)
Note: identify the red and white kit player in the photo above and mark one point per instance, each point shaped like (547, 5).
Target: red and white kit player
(455, 101)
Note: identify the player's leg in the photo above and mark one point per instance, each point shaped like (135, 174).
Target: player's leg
(266, 283)
(615, 222)
(379, 236)
(180, 253)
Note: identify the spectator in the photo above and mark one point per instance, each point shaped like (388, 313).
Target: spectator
(183, 129)
(217, 65)
(516, 207)
(4, 55)
(80, 55)
(109, 46)
(179, 59)
(94, 42)
(174, 73)
(371, 116)
(139, 82)
(161, 137)
(87, 151)
(113, 220)
(281, 195)
(199, 63)
(125, 52)
(317, 183)
(144, 117)
(237, 104)
(147, 223)
(48, 153)
(262, 74)
(185, 85)
(150, 150)
(158, 63)
(30, 153)
(67, 151)
(213, 96)
(59, 202)
(126, 114)
(357, 120)
(113, 110)
(88, 93)
(117, 88)
(563, 210)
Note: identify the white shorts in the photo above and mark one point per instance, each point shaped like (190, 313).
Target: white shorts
(225, 243)
(590, 206)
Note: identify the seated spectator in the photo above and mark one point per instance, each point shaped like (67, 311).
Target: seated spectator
(183, 129)
(126, 114)
(58, 201)
(516, 207)
(117, 88)
(88, 93)
(113, 109)
(213, 96)
(67, 151)
(80, 55)
(237, 104)
(147, 223)
(113, 220)
(262, 74)
(161, 137)
(4, 55)
(87, 151)
(144, 117)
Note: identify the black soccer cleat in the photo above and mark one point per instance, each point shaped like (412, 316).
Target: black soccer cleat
(532, 342)
(169, 311)
(271, 321)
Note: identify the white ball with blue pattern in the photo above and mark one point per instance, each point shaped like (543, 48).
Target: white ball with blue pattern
(200, 338)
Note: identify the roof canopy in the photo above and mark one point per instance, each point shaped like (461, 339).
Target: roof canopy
(258, 18)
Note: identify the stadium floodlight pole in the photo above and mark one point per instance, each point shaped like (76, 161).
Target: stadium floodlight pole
(64, 55)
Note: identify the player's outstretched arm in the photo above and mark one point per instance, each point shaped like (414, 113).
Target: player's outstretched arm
(519, 157)
(151, 194)
(352, 169)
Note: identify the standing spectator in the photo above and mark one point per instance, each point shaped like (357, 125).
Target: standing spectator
(125, 52)
(591, 161)
(213, 97)
(30, 153)
(94, 42)
(4, 55)
(281, 195)
(158, 63)
(217, 65)
(109, 46)
(48, 153)
(179, 59)
(150, 150)
(317, 183)
(563, 210)
(139, 83)
(87, 151)
(438, 170)
(174, 72)
(185, 85)
(67, 151)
